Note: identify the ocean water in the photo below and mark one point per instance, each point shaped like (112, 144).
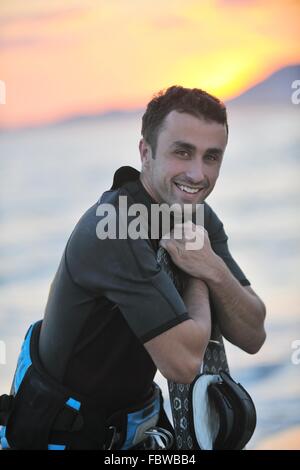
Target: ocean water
(50, 176)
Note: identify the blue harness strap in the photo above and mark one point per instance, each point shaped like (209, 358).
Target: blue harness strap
(72, 403)
(56, 447)
(128, 428)
(141, 421)
(3, 440)
(24, 361)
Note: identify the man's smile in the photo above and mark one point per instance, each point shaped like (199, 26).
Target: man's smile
(190, 193)
(187, 189)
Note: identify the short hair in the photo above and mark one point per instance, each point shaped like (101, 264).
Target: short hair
(193, 101)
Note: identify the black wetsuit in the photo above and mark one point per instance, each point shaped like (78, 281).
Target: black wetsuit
(109, 297)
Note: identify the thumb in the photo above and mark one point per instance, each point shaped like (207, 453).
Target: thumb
(163, 243)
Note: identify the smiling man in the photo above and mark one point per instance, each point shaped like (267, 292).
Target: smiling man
(183, 165)
(113, 317)
(185, 133)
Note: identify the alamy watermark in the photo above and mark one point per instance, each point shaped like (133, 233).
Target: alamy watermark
(136, 222)
(2, 92)
(296, 94)
(295, 358)
(2, 353)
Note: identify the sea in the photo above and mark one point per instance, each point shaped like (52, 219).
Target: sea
(50, 175)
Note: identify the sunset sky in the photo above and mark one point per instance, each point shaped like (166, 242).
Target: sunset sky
(61, 58)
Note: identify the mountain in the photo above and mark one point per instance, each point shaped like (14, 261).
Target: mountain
(274, 90)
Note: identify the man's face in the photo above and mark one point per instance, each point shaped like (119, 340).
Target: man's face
(187, 162)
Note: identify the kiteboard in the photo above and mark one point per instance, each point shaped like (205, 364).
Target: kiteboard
(214, 361)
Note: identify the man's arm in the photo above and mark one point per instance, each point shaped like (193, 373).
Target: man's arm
(240, 311)
(179, 351)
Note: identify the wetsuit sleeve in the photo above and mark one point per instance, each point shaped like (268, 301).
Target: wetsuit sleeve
(219, 243)
(127, 273)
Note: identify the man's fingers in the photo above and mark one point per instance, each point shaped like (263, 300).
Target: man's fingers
(189, 231)
(174, 249)
(186, 236)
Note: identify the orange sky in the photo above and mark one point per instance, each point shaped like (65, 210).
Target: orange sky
(64, 57)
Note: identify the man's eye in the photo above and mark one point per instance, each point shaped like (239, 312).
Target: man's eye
(183, 153)
(212, 158)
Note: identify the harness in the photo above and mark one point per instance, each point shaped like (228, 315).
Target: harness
(41, 413)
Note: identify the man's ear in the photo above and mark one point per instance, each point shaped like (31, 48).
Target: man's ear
(145, 153)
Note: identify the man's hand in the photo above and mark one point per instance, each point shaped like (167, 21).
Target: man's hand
(240, 313)
(192, 252)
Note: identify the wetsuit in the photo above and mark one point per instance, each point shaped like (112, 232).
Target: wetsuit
(109, 297)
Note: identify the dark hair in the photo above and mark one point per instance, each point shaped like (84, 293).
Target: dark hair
(193, 101)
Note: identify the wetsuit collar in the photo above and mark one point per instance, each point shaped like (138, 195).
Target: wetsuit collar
(123, 175)
(129, 179)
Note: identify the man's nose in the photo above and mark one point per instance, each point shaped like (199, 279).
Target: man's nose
(195, 172)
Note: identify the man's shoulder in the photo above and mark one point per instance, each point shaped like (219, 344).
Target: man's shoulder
(211, 220)
(112, 196)
(98, 228)
(109, 197)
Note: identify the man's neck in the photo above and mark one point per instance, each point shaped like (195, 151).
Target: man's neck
(148, 188)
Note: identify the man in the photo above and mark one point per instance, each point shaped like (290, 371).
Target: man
(113, 317)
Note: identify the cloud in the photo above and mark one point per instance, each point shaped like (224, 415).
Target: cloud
(237, 2)
(24, 41)
(25, 17)
(170, 22)
(36, 27)
(36, 41)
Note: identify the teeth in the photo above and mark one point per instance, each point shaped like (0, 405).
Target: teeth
(187, 189)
